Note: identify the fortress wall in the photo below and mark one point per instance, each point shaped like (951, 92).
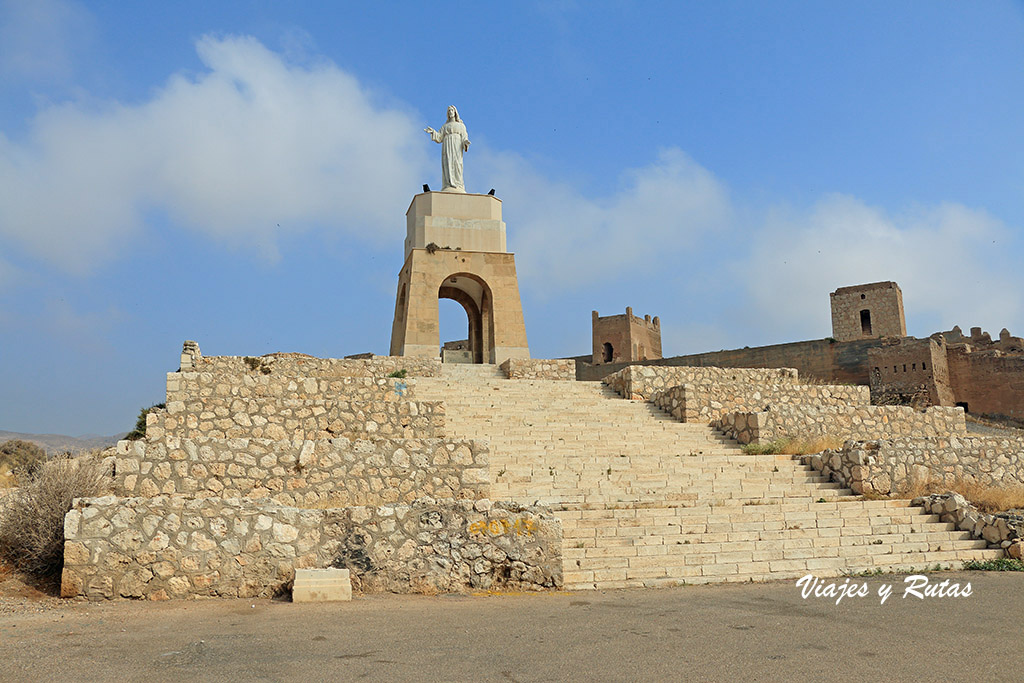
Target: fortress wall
(649, 382)
(286, 418)
(839, 362)
(988, 382)
(707, 403)
(334, 473)
(851, 422)
(176, 547)
(888, 465)
(535, 368)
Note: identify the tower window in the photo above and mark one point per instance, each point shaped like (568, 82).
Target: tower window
(865, 322)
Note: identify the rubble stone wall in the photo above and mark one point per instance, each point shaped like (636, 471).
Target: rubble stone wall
(891, 465)
(335, 473)
(177, 547)
(301, 365)
(536, 368)
(644, 382)
(707, 403)
(852, 422)
(288, 418)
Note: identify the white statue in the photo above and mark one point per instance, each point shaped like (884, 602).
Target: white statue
(454, 141)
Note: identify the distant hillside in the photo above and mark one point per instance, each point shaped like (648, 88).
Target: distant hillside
(58, 443)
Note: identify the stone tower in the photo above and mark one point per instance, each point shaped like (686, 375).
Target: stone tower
(868, 312)
(455, 249)
(622, 338)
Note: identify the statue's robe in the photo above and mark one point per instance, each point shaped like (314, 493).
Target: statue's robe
(454, 141)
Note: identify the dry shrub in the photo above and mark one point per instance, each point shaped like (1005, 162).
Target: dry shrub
(988, 499)
(792, 446)
(32, 517)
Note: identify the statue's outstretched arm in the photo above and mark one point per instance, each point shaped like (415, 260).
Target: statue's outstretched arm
(434, 135)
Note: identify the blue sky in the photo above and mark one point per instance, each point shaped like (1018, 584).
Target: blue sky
(238, 172)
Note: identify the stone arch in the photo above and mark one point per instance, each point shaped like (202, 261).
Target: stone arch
(608, 352)
(475, 297)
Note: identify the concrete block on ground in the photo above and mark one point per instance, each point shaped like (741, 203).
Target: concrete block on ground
(322, 585)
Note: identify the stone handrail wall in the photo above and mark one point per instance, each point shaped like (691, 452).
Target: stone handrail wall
(895, 465)
(707, 403)
(301, 365)
(641, 382)
(536, 368)
(286, 418)
(175, 547)
(849, 422)
(336, 473)
(1003, 529)
(190, 387)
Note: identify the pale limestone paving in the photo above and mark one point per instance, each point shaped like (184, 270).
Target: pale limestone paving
(647, 501)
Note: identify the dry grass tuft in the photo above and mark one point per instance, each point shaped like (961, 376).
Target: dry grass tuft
(988, 499)
(793, 446)
(32, 521)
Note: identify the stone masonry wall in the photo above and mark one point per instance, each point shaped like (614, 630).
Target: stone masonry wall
(301, 365)
(287, 418)
(335, 473)
(172, 546)
(649, 382)
(892, 465)
(853, 422)
(535, 368)
(707, 403)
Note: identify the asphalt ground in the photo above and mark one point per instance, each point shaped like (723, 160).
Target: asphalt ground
(747, 632)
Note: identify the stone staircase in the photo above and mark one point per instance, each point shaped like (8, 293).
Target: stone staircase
(645, 500)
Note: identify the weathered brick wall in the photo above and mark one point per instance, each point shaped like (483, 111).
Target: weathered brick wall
(643, 382)
(536, 368)
(911, 369)
(707, 403)
(334, 473)
(893, 465)
(850, 422)
(176, 547)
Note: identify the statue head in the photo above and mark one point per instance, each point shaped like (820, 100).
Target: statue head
(453, 113)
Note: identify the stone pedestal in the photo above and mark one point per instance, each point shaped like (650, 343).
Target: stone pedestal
(455, 249)
(322, 585)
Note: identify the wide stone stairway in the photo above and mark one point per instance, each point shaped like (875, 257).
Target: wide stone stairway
(645, 500)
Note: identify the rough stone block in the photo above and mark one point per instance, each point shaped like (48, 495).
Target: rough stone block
(322, 585)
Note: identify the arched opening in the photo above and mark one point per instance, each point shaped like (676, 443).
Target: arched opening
(607, 352)
(453, 331)
(865, 322)
(473, 294)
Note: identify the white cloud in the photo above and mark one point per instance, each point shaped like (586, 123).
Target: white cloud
(250, 148)
(949, 260)
(649, 218)
(39, 38)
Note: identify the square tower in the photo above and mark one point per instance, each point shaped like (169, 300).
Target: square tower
(623, 338)
(455, 249)
(868, 312)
